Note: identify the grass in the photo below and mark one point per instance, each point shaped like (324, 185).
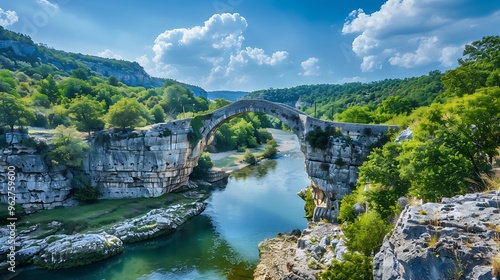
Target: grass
(95, 216)
(433, 240)
(495, 263)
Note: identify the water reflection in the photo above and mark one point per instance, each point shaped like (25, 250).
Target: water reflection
(260, 170)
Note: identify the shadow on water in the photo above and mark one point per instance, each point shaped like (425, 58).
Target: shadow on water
(260, 170)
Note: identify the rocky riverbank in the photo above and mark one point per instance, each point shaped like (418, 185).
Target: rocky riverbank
(300, 255)
(42, 246)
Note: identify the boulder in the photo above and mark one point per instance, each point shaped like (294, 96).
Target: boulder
(156, 222)
(455, 239)
(65, 251)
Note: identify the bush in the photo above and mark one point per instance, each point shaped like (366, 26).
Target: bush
(249, 157)
(204, 165)
(366, 234)
(69, 149)
(310, 205)
(84, 190)
(353, 267)
(270, 151)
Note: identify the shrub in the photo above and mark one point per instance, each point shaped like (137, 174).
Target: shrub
(365, 234)
(69, 149)
(84, 190)
(354, 267)
(310, 205)
(249, 157)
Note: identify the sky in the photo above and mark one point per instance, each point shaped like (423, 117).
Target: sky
(258, 44)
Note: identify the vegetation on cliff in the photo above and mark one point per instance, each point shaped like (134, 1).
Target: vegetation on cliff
(455, 142)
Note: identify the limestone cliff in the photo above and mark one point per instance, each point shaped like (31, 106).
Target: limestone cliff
(142, 163)
(454, 239)
(38, 185)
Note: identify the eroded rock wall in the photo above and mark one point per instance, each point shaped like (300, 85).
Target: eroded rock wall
(37, 185)
(141, 163)
(333, 169)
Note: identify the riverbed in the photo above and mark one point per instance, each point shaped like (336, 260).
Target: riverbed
(257, 203)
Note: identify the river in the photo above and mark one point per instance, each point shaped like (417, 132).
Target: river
(221, 243)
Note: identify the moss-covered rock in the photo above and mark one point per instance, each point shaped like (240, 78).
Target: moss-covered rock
(67, 251)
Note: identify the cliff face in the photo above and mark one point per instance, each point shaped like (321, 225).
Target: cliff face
(333, 169)
(142, 163)
(37, 185)
(454, 239)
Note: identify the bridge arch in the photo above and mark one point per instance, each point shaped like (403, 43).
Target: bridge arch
(292, 117)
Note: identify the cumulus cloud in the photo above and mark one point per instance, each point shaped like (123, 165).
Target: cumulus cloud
(109, 54)
(410, 33)
(7, 17)
(211, 54)
(310, 67)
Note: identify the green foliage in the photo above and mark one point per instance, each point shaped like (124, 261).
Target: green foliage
(318, 139)
(249, 157)
(158, 114)
(355, 114)
(127, 112)
(365, 234)
(84, 191)
(13, 111)
(346, 211)
(309, 205)
(270, 150)
(353, 267)
(86, 113)
(69, 149)
(204, 165)
(380, 177)
(113, 81)
(49, 88)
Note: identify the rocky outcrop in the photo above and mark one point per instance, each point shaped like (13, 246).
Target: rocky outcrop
(454, 239)
(300, 256)
(155, 223)
(37, 185)
(64, 251)
(141, 163)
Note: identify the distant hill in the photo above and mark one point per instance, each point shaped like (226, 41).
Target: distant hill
(19, 52)
(226, 94)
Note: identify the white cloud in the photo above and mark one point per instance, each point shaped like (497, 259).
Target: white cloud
(200, 44)
(310, 67)
(411, 33)
(109, 54)
(352, 80)
(212, 55)
(7, 17)
(48, 4)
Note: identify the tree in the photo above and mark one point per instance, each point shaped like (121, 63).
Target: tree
(204, 165)
(49, 87)
(366, 234)
(127, 112)
(355, 114)
(158, 114)
(113, 81)
(69, 149)
(270, 150)
(87, 113)
(249, 157)
(486, 49)
(380, 177)
(13, 111)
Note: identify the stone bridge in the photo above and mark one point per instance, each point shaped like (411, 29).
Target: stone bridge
(331, 168)
(153, 161)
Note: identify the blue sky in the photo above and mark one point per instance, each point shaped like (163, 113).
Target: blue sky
(258, 44)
